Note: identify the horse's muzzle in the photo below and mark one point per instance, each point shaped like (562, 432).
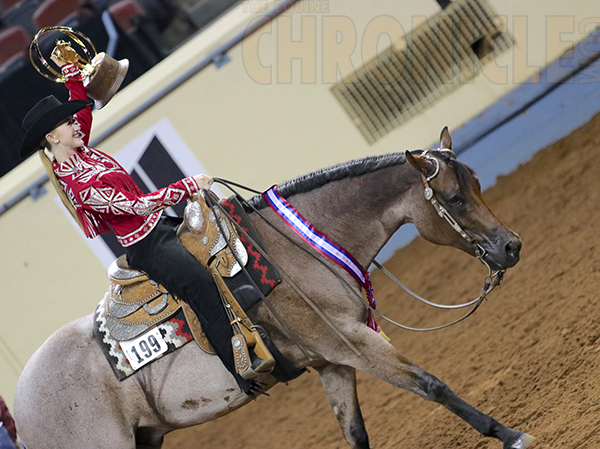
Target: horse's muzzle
(504, 252)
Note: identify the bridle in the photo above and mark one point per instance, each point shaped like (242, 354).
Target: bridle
(491, 280)
(442, 212)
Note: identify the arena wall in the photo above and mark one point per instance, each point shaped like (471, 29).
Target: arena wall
(266, 116)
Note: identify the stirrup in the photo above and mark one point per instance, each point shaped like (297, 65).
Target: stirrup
(254, 362)
(258, 368)
(245, 334)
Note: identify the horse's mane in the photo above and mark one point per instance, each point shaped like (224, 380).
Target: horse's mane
(465, 176)
(319, 178)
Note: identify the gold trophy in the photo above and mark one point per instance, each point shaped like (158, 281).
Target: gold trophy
(102, 75)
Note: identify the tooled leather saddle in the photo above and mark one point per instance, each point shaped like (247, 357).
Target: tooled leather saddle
(138, 321)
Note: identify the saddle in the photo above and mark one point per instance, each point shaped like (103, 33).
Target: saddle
(135, 304)
(139, 321)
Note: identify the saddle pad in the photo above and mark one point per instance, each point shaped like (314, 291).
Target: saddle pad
(175, 332)
(260, 270)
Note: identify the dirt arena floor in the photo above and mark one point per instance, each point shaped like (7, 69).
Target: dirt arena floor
(530, 356)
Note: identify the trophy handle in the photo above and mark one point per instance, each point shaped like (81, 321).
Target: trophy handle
(35, 53)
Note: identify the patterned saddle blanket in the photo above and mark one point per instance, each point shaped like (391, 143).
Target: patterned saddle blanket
(138, 321)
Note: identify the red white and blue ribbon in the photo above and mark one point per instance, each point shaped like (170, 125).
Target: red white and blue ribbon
(324, 245)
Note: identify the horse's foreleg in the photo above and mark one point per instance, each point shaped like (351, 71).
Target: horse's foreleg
(339, 383)
(382, 360)
(433, 389)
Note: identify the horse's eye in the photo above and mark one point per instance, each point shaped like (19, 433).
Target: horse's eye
(457, 200)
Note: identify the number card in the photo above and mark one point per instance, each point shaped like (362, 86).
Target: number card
(145, 348)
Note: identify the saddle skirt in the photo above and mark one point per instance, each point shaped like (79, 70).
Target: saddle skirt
(138, 321)
(134, 306)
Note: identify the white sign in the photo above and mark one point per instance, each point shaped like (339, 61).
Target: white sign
(145, 348)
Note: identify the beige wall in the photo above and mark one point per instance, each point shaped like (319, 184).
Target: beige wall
(243, 127)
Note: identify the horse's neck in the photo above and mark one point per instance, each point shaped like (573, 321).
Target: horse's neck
(360, 213)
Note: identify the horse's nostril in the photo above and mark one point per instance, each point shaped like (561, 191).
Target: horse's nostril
(513, 249)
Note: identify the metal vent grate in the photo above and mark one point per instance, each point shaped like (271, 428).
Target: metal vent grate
(436, 59)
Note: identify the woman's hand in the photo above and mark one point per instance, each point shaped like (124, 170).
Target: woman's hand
(56, 61)
(63, 53)
(204, 181)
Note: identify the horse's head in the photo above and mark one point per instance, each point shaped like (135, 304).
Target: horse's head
(452, 211)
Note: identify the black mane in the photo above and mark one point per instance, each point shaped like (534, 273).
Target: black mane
(319, 178)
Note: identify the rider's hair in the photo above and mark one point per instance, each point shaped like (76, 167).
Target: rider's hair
(44, 144)
(45, 156)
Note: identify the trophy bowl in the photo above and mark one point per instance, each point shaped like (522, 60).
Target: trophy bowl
(102, 75)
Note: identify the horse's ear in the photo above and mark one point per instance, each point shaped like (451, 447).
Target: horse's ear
(445, 139)
(422, 164)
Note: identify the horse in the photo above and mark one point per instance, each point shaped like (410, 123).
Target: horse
(68, 397)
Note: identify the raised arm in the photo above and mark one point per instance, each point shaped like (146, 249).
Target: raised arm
(77, 91)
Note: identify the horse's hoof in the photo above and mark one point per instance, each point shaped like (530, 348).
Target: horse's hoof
(521, 442)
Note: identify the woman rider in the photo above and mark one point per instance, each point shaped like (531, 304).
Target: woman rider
(101, 195)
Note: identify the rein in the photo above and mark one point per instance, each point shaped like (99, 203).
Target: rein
(291, 334)
(491, 280)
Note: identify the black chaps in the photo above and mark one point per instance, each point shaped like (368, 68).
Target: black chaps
(162, 256)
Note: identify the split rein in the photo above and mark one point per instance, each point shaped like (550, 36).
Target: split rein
(491, 280)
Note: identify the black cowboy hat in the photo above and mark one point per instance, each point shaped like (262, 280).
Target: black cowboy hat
(43, 118)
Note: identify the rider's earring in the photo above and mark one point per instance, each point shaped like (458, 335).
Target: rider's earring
(51, 138)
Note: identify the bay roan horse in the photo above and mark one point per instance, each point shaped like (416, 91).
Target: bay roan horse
(68, 396)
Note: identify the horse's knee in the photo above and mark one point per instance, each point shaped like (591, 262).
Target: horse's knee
(358, 433)
(433, 389)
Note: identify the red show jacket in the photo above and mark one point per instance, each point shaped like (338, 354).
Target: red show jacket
(103, 193)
